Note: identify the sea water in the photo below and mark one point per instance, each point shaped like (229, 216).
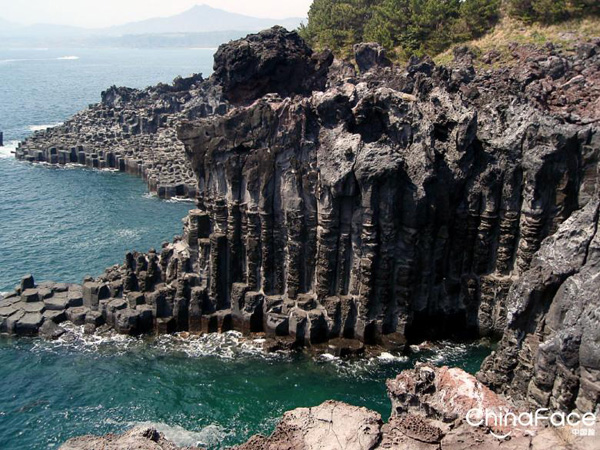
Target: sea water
(62, 224)
(65, 223)
(213, 391)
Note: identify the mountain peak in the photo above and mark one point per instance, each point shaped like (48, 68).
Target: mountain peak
(203, 18)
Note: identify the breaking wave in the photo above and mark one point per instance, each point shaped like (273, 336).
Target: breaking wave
(179, 200)
(43, 126)
(209, 436)
(227, 345)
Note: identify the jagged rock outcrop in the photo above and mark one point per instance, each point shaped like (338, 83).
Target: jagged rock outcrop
(370, 55)
(549, 353)
(430, 405)
(429, 408)
(274, 61)
(401, 203)
(132, 131)
(331, 425)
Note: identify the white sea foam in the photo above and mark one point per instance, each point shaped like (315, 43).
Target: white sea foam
(77, 340)
(208, 436)
(9, 147)
(24, 60)
(445, 351)
(43, 126)
(127, 233)
(226, 345)
(13, 60)
(171, 200)
(60, 58)
(179, 200)
(388, 357)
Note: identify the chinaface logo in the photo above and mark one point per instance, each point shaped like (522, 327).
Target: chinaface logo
(506, 420)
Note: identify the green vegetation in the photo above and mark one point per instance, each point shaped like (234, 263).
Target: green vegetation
(418, 27)
(563, 35)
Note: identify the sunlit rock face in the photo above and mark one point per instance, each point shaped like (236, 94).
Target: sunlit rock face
(398, 204)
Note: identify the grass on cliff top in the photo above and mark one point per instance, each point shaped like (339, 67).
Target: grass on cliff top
(563, 35)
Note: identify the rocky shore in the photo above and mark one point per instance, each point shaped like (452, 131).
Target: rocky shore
(382, 205)
(132, 131)
(429, 406)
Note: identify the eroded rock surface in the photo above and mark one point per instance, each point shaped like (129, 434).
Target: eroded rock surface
(549, 353)
(331, 425)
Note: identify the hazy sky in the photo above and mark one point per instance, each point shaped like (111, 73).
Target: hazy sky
(100, 13)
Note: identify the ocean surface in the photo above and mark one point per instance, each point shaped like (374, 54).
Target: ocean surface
(65, 223)
(214, 391)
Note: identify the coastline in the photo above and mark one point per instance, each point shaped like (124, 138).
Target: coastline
(296, 235)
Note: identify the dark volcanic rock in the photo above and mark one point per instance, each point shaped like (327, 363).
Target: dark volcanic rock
(369, 55)
(273, 61)
(393, 212)
(549, 354)
(132, 131)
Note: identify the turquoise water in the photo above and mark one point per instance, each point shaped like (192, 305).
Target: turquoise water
(213, 391)
(63, 224)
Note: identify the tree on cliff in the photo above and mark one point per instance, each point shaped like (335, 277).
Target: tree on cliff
(406, 26)
(552, 11)
(417, 27)
(337, 24)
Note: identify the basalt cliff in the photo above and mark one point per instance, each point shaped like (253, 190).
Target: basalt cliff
(382, 205)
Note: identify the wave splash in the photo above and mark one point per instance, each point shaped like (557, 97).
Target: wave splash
(209, 436)
(43, 126)
(221, 345)
(8, 149)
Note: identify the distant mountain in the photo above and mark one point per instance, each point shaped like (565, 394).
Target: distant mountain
(201, 19)
(198, 26)
(211, 39)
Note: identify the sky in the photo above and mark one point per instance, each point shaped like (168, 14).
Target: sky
(102, 13)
